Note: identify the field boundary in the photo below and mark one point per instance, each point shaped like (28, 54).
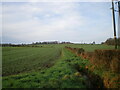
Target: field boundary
(108, 60)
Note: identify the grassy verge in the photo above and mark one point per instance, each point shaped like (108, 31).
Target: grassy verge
(62, 75)
(103, 67)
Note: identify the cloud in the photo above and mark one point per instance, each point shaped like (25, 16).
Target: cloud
(29, 22)
(56, 1)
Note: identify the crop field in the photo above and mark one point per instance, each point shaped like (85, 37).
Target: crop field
(25, 59)
(50, 66)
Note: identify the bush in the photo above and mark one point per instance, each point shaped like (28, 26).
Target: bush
(109, 58)
(80, 50)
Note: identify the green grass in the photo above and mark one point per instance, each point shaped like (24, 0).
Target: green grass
(61, 75)
(87, 47)
(91, 48)
(22, 59)
(25, 67)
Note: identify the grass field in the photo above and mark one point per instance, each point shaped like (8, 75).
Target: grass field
(47, 66)
(86, 47)
(91, 48)
(62, 74)
(24, 59)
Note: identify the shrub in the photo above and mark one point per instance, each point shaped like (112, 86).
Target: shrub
(115, 65)
(109, 58)
(80, 50)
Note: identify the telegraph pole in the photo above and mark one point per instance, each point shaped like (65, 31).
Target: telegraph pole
(114, 25)
(119, 7)
(119, 22)
(119, 19)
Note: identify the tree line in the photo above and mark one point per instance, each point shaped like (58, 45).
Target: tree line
(111, 41)
(51, 42)
(33, 44)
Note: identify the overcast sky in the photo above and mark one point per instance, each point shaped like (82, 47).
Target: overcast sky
(27, 22)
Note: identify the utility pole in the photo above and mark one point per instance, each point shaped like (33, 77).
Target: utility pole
(119, 19)
(119, 7)
(118, 23)
(114, 25)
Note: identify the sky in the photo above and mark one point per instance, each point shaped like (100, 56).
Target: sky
(78, 22)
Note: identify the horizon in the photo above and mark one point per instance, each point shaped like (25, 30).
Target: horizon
(58, 42)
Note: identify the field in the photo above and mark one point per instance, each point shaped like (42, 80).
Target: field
(23, 59)
(49, 66)
(91, 48)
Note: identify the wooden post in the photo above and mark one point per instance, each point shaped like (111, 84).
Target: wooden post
(114, 25)
(119, 19)
(118, 23)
